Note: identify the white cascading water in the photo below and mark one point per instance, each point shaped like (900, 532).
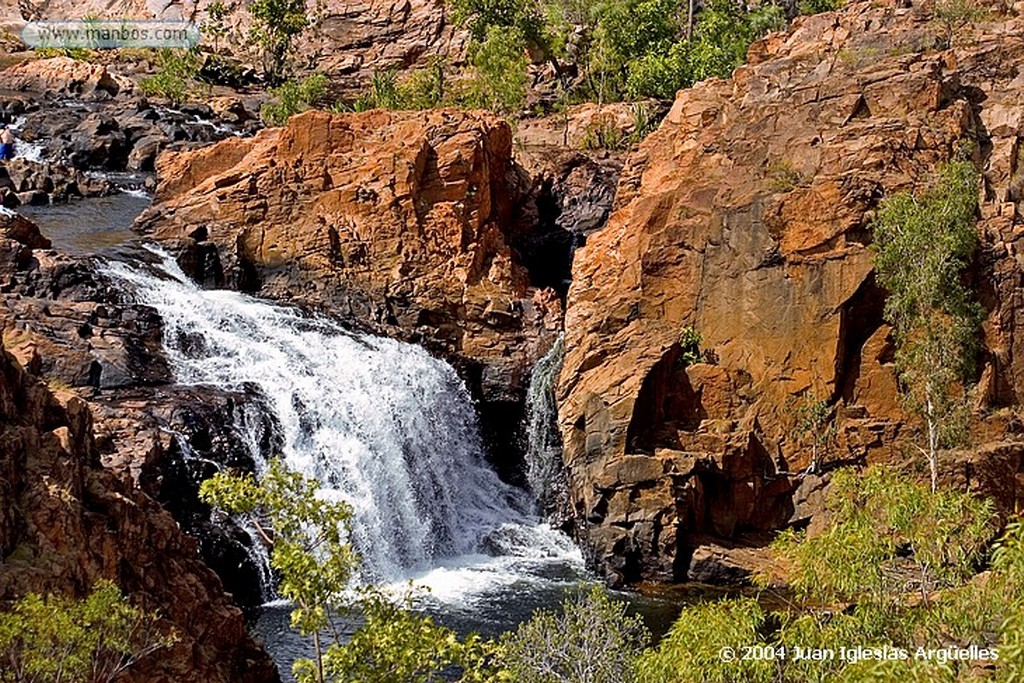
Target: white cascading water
(381, 424)
(544, 473)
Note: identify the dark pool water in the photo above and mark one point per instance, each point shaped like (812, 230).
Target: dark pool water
(488, 611)
(88, 226)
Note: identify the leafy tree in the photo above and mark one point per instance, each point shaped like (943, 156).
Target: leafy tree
(276, 23)
(693, 649)
(886, 533)
(499, 64)
(923, 244)
(310, 551)
(175, 79)
(395, 644)
(308, 537)
(91, 640)
(1008, 584)
(592, 641)
(818, 6)
(893, 567)
(293, 97)
(216, 24)
(815, 427)
(481, 16)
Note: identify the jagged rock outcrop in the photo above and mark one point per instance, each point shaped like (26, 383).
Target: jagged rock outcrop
(64, 76)
(65, 522)
(746, 217)
(396, 221)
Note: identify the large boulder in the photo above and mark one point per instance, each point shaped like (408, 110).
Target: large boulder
(746, 217)
(63, 76)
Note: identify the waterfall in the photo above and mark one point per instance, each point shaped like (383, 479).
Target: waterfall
(544, 471)
(381, 424)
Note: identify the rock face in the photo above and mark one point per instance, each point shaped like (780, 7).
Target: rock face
(395, 221)
(64, 76)
(347, 41)
(66, 522)
(746, 218)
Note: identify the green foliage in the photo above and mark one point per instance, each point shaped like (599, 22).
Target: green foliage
(886, 533)
(953, 15)
(310, 551)
(176, 75)
(819, 6)
(692, 650)
(276, 23)
(689, 342)
(92, 640)
(499, 70)
(309, 547)
(1008, 562)
(723, 33)
(923, 244)
(293, 97)
(592, 641)
(395, 644)
(481, 16)
(893, 568)
(215, 25)
(814, 427)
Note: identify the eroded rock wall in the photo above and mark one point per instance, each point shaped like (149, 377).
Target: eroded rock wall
(746, 217)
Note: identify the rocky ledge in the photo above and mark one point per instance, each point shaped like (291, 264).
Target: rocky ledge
(746, 217)
(67, 325)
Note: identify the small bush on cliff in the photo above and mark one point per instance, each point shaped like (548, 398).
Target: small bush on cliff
(176, 76)
(92, 640)
(308, 537)
(922, 246)
(499, 71)
(276, 24)
(292, 97)
(592, 641)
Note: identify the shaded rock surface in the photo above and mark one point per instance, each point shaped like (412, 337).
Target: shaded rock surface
(65, 522)
(746, 217)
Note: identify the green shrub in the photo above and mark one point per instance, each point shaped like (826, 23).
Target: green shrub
(499, 74)
(292, 97)
(92, 640)
(592, 641)
(922, 246)
(819, 6)
(276, 24)
(175, 79)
